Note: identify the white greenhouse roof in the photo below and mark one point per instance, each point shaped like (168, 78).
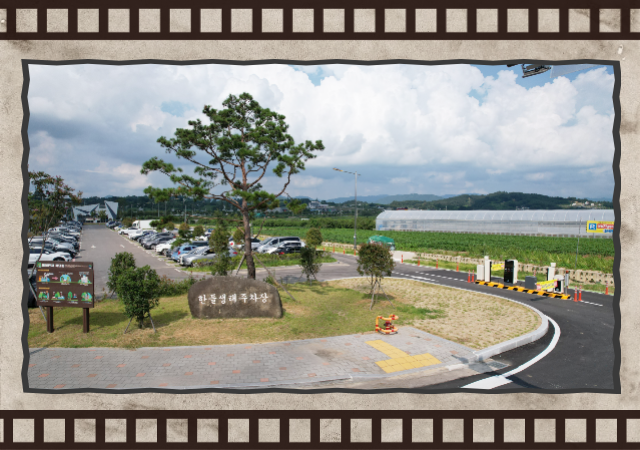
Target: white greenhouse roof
(540, 215)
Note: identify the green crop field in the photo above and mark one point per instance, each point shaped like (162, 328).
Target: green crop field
(594, 254)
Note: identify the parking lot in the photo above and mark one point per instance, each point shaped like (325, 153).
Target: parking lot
(100, 244)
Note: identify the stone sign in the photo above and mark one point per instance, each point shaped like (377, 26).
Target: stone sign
(233, 297)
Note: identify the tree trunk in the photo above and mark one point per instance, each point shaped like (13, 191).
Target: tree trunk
(251, 267)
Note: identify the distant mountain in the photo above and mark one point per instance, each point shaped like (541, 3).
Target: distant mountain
(364, 198)
(601, 199)
(495, 201)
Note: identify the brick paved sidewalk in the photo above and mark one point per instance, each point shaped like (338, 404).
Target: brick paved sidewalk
(244, 366)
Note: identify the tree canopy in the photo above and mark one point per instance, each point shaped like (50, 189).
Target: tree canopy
(234, 151)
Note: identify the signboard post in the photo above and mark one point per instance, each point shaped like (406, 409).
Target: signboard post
(65, 284)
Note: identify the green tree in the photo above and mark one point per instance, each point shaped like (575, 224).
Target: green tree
(48, 200)
(170, 226)
(184, 234)
(375, 262)
(120, 263)
(235, 150)
(127, 222)
(198, 231)
(139, 290)
(163, 223)
(102, 215)
(219, 244)
(309, 261)
(314, 237)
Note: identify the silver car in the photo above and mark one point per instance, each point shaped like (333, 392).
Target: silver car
(207, 254)
(195, 252)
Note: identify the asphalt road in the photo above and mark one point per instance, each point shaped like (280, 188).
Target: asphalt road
(583, 358)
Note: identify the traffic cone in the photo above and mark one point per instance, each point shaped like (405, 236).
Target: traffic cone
(401, 258)
(469, 277)
(575, 295)
(343, 251)
(436, 263)
(334, 249)
(458, 267)
(580, 295)
(418, 262)
(606, 292)
(473, 277)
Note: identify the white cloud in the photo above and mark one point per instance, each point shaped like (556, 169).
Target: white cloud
(390, 118)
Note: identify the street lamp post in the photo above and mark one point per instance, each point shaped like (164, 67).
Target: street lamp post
(355, 222)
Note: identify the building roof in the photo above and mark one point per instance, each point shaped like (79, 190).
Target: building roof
(558, 215)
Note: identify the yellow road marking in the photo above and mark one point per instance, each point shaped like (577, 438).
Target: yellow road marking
(400, 360)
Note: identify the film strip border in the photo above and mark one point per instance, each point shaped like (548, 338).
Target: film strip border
(321, 20)
(412, 425)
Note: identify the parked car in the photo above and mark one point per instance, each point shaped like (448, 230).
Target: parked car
(47, 255)
(255, 243)
(276, 242)
(185, 248)
(196, 251)
(152, 243)
(285, 248)
(133, 235)
(145, 237)
(165, 248)
(53, 244)
(50, 247)
(126, 231)
(207, 254)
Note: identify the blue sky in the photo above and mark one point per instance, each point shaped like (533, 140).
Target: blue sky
(448, 129)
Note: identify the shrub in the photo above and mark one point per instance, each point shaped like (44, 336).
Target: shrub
(139, 290)
(172, 288)
(170, 226)
(198, 230)
(127, 222)
(238, 236)
(184, 231)
(270, 280)
(309, 262)
(314, 237)
(119, 264)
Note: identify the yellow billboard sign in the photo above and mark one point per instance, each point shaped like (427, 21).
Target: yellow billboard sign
(546, 285)
(497, 267)
(595, 226)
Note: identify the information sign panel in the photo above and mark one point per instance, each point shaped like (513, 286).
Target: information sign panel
(65, 284)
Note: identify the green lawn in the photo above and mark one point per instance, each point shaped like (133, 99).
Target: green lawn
(320, 311)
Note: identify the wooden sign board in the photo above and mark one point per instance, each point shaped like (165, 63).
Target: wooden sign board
(63, 284)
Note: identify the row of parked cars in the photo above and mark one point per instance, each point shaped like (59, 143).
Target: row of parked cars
(61, 243)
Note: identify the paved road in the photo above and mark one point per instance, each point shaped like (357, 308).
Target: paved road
(583, 358)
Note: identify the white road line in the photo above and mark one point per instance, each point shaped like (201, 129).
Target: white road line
(121, 245)
(500, 380)
(589, 303)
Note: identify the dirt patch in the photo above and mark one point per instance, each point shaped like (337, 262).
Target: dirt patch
(471, 319)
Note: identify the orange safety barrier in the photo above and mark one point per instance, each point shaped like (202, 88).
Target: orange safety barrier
(388, 327)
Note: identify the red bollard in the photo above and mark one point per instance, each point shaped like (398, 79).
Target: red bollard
(469, 277)
(418, 262)
(606, 292)
(436, 263)
(458, 267)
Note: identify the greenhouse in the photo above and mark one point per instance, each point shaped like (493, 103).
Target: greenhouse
(561, 222)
